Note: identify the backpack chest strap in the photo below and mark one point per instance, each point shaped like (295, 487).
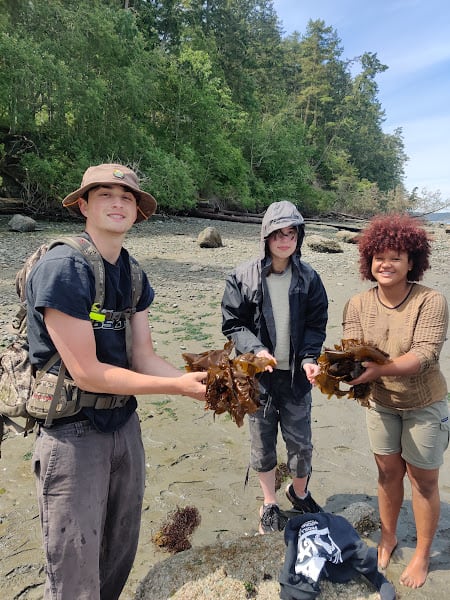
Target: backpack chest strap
(110, 315)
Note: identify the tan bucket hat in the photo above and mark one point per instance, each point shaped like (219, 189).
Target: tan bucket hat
(111, 174)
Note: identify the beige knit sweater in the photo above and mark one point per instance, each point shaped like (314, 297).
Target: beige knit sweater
(419, 325)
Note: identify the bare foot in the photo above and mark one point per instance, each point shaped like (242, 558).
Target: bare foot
(415, 574)
(385, 551)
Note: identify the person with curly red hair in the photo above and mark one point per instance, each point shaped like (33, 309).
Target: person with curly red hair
(407, 418)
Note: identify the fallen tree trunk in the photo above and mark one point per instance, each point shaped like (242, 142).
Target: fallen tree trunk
(227, 215)
(338, 225)
(224, 216)
(9, 206)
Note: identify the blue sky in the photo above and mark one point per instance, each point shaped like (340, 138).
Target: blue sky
(411, 37)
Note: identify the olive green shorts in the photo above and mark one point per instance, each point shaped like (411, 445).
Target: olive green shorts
(421, 436)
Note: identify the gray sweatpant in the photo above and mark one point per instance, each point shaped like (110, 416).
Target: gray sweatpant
(90, 487)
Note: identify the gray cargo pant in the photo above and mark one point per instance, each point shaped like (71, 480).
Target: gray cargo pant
(90, 487)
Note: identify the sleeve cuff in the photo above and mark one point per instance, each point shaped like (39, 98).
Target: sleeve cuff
(309, 360)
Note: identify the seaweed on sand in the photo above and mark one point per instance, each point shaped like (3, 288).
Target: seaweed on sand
(175, 531)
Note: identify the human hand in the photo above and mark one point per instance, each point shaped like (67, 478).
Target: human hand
(311, 372)
(266, 354)
(370, 373)
(192, 385)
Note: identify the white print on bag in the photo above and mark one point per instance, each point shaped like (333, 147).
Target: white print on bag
(315, 547)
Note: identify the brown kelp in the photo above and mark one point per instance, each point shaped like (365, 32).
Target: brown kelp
(344, 363)
(231, 383)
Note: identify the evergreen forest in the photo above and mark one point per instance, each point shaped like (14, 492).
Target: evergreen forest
(208, 100)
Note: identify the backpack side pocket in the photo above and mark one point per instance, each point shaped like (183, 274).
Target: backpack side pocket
(40, 402)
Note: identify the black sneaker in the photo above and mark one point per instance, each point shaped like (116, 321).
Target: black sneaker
(303, 505)
(271, 519)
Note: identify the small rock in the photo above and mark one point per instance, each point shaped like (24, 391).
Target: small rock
(323, 244)
(196, 268)
(350, 237)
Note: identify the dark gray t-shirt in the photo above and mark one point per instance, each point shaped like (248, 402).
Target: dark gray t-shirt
(64, 280)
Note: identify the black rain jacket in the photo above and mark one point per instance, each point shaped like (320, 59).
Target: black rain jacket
(247, 317)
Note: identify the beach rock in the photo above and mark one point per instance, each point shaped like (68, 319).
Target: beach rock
(209, 238)
(349, 237)
(226, 569)
(21, 223)
(248, 567)
(319, 243)
(362, 516)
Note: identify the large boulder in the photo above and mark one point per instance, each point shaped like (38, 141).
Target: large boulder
(21, 223)
(247, 567)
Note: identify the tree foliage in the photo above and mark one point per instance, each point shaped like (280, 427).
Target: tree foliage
(205, 98)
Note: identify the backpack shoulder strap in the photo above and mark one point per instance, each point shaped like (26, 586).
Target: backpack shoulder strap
(136, 281)
(93, 256)
(87, 248)
(22, 274)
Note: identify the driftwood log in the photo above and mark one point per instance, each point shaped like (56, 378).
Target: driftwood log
(9, 206)
(345, 221)
(226, 215)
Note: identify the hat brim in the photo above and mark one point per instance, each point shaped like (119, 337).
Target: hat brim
(145, 209)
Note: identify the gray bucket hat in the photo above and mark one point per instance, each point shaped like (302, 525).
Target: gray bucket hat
(111, 174)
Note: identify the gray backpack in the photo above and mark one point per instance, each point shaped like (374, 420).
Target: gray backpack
(32, 395)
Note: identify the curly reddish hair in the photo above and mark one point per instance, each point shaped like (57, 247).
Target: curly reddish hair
(395, 232)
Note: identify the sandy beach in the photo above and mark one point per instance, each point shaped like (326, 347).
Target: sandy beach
(194, 458)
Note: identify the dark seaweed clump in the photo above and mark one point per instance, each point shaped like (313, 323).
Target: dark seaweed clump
(175, 531)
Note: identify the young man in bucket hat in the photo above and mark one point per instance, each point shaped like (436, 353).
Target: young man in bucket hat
(276, 306)
(89, 466)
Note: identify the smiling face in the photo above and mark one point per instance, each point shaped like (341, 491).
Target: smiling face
(112, 208)
(390, 267)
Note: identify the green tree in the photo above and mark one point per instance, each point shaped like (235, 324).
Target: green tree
(278, 154)
(319, 81)
(86, 98)
(197, 122)
(204, 97)
(377, 156)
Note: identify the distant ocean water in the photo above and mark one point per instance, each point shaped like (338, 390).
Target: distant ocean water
(443, 217)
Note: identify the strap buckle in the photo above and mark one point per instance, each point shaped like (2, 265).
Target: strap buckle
(109, 402)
